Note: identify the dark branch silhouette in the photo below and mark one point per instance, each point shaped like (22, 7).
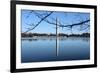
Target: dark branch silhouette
(40, 21)
(43, 17)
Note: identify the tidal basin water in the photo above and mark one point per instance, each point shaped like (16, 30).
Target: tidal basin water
(44, 49)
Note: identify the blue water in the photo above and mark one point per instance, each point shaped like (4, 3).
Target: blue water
(41, 50)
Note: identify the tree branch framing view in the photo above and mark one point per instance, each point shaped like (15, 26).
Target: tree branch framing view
(68, 21)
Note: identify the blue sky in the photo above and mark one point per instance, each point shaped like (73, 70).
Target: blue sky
(66, 18)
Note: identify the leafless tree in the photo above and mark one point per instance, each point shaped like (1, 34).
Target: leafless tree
(46, 14)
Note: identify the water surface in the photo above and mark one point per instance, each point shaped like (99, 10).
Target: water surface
(44, 49)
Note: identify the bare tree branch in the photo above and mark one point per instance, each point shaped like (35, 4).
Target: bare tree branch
(80, 23)
(40, 21)
(43, 17)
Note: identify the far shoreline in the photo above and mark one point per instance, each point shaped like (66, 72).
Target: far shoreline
(26, 35)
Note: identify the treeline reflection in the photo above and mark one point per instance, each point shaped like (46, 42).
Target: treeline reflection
(50, 36)
(54, 38)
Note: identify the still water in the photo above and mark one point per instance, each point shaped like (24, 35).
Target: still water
(41, 50)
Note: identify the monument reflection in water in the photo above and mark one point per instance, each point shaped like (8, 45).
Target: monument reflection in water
(41, 50)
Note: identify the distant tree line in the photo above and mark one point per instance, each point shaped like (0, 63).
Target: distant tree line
(51, 34)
